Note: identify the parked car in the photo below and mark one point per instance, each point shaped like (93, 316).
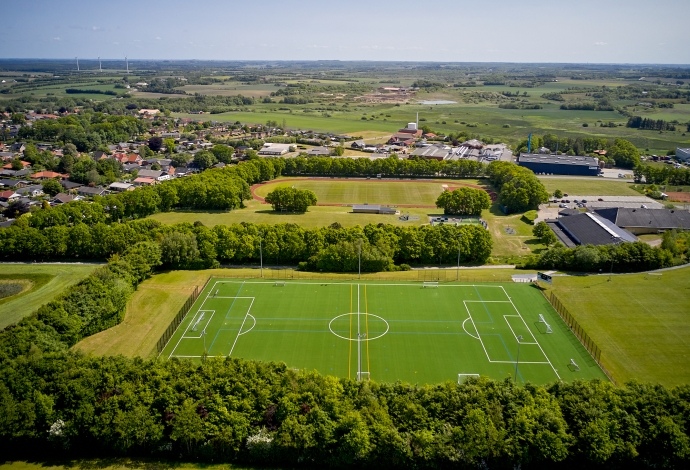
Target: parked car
(584, 201)
(621, 175)
(600, 200)
(563, 206)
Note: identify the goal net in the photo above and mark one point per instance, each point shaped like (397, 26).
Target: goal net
(195, 327)
(430, 284)
(362, 376)
(462, 378)
(280, 284)
(542, 320)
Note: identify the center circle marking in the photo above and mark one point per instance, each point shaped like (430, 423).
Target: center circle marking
(357, 339)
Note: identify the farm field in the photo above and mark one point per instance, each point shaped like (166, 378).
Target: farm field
(385, 331)
(640, 323)
(50, 279)
(588, 186)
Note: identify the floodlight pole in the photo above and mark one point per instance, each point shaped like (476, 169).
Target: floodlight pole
(457, 273)
(261, 254)
(519, 339)
(612, 259)
(203, 333)
(360, 259)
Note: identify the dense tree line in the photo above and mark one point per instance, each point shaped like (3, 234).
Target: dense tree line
(464, 201)
(291, 199)
(519, 188)
(203, 247)
(619, 151)
(624, 257)
(391, 166)
(637, 122)
(655, 174)
(588, 106)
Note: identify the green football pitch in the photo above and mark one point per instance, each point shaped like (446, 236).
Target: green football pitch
(381, 331)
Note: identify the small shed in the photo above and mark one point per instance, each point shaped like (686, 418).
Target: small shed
(372, 209)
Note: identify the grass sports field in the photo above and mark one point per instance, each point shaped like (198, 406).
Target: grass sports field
(386, 330)
(639, 322)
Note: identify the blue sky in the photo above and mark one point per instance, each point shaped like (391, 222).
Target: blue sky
(594, 31)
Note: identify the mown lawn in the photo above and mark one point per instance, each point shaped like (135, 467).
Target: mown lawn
(641, 323)
(589, 187)
(48, 279)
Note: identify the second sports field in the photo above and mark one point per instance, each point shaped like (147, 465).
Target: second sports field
(413, 332)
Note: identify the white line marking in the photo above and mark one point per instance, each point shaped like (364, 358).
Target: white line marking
(190, 323)
(411, 284)
(213, 312)
(513, 331)
(535, 339)
(477, 330)
(250, 329)
(463, 327)
(241, 327)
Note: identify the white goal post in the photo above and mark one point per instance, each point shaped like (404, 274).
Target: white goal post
(279, 284)
(462, 378)
(195, 327)
(430, 284)
(574, 365)
(363, 376)
(542, 320)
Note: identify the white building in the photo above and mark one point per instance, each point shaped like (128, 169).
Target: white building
(683, 154)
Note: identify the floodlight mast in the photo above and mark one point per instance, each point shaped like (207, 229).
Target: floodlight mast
(261, 254)
(127, 64)
(77, 59)
(519, 339)
(100, 69)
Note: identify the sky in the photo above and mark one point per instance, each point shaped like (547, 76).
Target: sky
(554, 31)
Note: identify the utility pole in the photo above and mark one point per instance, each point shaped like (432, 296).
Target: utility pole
(77, 59)
(457, 273)
(360, 259)
(127, 64)
(100, 69)
(613, 237)
(519, 339)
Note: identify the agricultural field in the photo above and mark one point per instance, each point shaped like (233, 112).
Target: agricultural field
(640, 322)
(415, 332)
(42, 282)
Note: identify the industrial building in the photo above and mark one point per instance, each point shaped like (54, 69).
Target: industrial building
(560, 164)
(372, 209)
(642, 220)
(683, 154)
(588, 228)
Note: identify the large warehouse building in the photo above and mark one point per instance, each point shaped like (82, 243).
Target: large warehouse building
(559, 164)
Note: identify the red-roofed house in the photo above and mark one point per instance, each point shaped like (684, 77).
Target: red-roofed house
(142, 181)
(9, 165)
(47, 175)
(8, 195)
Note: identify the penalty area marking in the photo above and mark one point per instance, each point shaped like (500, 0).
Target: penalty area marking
(250, 329)
(470, 334)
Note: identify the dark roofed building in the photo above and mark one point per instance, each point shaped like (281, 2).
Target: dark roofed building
(70, 185)
(640, 221)
(372, 209)
(588, 228)
(560, 164)
(435, 152)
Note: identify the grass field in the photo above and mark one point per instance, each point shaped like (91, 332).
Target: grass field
(589, 187)
(387, 330)
(49, 280)
(346, 191)
(642, 326)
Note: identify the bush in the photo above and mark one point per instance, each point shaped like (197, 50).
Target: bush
(531, 216)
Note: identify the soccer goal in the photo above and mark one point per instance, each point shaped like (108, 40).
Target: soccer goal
(279, 284)
(195, 327)
(363, 376)
(215, 294)
(542, 320)
(462, 378)
(573, 366)
(430, 284)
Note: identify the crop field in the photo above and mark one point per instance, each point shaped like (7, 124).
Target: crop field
(641, 323)
(351, 191)
(45, 282)
(588, 186)
(385, 331)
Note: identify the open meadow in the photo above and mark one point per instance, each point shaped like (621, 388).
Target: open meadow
(43, 283)
(641, 323)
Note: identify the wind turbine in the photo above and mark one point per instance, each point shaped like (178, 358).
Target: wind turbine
(127, 64)
(100, 69)
(77, 58)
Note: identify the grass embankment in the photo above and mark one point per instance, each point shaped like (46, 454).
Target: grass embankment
(641, 323)
(157, 300)
(44, 282)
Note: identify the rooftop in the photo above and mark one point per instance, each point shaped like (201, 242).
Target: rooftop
(558, 159)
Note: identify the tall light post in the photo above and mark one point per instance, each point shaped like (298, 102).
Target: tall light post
(457, 273)
(261, 254)
(360, 259)
(615, 243)
(519, 340)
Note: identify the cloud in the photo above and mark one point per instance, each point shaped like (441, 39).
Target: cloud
(158, 38)
(116, 43)
(57, 39)
(96, 28)
(600, 44)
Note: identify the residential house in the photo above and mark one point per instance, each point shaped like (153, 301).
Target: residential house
(70, 185)
(120, 187)
(148, 112)
(89, 191)
(62, 198)
(9, 196)
(24, 165)
(31, 191)
(270, 149)
(358, 145)
(141, 181)
(18, 147)
(11, 184)
(158, 175)
(47, 175)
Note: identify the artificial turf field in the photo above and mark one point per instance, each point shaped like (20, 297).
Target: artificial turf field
(388, 331)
